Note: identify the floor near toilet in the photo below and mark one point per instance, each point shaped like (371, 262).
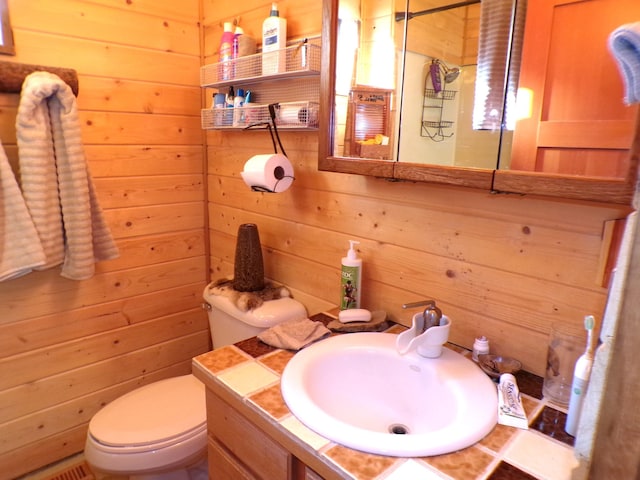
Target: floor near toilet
(79, 471)
(73, 468)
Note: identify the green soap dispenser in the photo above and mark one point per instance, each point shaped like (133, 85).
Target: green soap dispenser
(351, 279)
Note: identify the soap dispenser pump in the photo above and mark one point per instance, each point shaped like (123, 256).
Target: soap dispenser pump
(351, 279)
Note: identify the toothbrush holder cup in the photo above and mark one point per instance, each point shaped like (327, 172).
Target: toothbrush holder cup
(566, 344)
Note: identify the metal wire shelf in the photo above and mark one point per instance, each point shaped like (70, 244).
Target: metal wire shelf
(289, 116)
(441, 95)
(297, 60)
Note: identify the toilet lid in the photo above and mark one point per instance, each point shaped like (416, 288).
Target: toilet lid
(152, 413)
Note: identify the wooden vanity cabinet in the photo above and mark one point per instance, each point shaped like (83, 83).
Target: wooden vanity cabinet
(239, 450)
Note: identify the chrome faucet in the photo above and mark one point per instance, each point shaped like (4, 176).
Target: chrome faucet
(430, 316)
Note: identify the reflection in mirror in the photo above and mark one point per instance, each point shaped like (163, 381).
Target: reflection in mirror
(456, 71)
(6, 35)
(572, 130)
(388, 61)
(366, 71)
(574, 121)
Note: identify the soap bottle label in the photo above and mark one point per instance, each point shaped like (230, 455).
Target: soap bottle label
(271, 37)
(348, 284)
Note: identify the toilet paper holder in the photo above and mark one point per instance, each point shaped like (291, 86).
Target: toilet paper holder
(281, 175)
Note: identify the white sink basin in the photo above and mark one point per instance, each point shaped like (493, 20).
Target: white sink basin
(356, 390)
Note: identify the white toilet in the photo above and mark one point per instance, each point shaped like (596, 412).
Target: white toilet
(159, 431)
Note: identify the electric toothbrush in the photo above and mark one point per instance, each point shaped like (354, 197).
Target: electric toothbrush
(581, 375)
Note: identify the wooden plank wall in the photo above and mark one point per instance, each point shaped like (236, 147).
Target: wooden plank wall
(503, 266)
(439, 35)
(506, 266)
(67, 348)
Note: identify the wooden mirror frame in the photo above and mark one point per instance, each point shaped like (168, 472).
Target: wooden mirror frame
(618, 191)
(7, 46)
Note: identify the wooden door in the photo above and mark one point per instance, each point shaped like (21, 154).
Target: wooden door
(579, 124)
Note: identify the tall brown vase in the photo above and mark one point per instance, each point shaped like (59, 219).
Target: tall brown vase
(249, 268)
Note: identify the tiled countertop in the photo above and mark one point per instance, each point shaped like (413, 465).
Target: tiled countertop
(250, 371)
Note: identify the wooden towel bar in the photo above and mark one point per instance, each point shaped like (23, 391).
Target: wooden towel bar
(12, 75)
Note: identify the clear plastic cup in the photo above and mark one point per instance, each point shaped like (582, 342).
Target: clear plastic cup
(566, 344)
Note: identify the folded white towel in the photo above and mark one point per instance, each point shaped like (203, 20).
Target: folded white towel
(624, 44)
(20, 248)
(294, 334)
(56, 184)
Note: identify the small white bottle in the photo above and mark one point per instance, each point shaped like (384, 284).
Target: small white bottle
(238, 111)
(351, 279)
(274, 40)
(480, 347)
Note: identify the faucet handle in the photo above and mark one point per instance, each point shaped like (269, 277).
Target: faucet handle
(431, 314)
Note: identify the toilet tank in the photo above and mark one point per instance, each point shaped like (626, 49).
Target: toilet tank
(228, 324)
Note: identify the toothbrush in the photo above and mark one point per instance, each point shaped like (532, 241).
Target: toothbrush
(581, 375)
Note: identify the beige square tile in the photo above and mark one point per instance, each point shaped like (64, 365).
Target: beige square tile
(304, 433)
(412, 470)
(248, 377)
(540, 456)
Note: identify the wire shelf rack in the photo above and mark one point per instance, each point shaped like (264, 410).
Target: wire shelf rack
(289, 116)
(442, 94)
(297, 60)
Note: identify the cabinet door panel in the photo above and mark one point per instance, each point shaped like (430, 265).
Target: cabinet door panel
(256, 452)
(577, 90)
(223, 465)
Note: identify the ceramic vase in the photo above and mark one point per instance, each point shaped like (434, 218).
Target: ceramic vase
(249, 268)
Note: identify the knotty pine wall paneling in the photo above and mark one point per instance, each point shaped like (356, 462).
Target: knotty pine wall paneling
(66, 347)
(504, 266)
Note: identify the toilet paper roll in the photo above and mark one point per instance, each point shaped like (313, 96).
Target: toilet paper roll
(271, 172)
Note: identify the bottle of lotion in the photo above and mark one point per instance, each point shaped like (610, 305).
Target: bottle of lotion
(274, 40)
(351, 279)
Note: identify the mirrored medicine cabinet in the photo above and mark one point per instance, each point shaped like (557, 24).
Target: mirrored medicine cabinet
(445, 92)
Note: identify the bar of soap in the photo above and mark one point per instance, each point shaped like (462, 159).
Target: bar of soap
(354, 315)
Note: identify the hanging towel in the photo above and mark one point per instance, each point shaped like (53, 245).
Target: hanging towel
(56, 184)
(20, 248)
(501, 25)
(624, 44)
